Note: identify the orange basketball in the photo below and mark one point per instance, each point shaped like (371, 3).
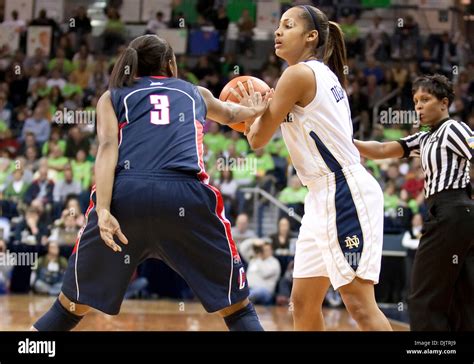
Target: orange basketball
(258, 86)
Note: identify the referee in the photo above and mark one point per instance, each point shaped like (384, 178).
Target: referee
(442, 287)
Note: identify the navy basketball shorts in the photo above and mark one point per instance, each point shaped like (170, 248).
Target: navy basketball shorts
(170, 216)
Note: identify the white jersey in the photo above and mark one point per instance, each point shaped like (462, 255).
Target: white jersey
(319, 136)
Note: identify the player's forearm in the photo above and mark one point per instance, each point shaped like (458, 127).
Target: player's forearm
(258, 136)
(236, 113)
(107, 156)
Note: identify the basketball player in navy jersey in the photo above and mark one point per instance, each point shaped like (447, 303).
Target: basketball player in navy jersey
(152, 198)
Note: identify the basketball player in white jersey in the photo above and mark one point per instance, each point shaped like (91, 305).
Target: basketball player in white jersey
(340, 240)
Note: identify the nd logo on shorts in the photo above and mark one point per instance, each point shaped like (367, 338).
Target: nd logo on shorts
(242, 278)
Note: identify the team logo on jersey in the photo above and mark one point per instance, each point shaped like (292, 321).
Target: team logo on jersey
(352, 242)
(470, 142)
(242, 278)
(337, 92)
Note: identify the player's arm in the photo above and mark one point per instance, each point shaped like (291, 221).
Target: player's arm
(377, 150)
(293, 83)
(106, 161)
(107, 154)
(226, 113)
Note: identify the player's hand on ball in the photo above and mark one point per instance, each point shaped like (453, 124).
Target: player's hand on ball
(108, 227)
(252, 99)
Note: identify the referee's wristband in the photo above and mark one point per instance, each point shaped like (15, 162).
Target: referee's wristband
(406, 151)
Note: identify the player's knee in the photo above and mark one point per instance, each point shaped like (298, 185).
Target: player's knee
(356, 308)
(74, 308)
(301, 305)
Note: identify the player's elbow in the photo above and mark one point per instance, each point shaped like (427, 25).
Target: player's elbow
(255, 143)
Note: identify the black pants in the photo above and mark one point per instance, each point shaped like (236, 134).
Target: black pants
(442, 287)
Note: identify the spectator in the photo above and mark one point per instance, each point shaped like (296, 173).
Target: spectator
(65, 233)
(81, 74)
(228, 187)
(84, 55)
(263, 162)
(114, 32)
(38, 125)
(214, 139)
(5, 111)
(285, 285)
(137, 287)
(154, 25)
(445, 54)
(295, 193)
(57, 162)
(5, 269)
(82, 169)
(66, 187)
(410, 241)
(246, 25)
(282, 238)
(54, 138)
(47, 278)
(99, 78)
(76, 141)
(16, 189)
(73, 208)
(241, 231)
(31, 162)
(18, 25)
(56, 79)
(263, 273)
(30, 230)
(41, 188)
(82, 27)
(293, 197)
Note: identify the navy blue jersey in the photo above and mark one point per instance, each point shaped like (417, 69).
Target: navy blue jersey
(161, 121)
(159, 172)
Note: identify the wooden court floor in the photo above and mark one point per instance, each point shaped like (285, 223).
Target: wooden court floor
(18, 312)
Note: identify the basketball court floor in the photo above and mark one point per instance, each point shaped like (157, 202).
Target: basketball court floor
(19, 312)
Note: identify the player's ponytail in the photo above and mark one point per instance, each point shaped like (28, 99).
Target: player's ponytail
(330, 36)
(335, 55)
(148, 55)
(125, 69)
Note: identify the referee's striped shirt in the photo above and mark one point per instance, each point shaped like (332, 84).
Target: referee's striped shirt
(446, 152)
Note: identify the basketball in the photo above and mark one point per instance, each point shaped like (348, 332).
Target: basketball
(258, 85)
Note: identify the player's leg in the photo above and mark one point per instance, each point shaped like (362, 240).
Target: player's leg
(97, 276)
(198, 245)
(356, 252)
(359, 299)
(307, 298)
(310, 276)
(64, 315)
(241, 316)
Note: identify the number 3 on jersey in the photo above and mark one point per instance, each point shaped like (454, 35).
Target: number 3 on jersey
(161, 113)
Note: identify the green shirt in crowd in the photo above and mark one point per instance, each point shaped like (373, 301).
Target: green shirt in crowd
(290, 195)
(82, 173)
